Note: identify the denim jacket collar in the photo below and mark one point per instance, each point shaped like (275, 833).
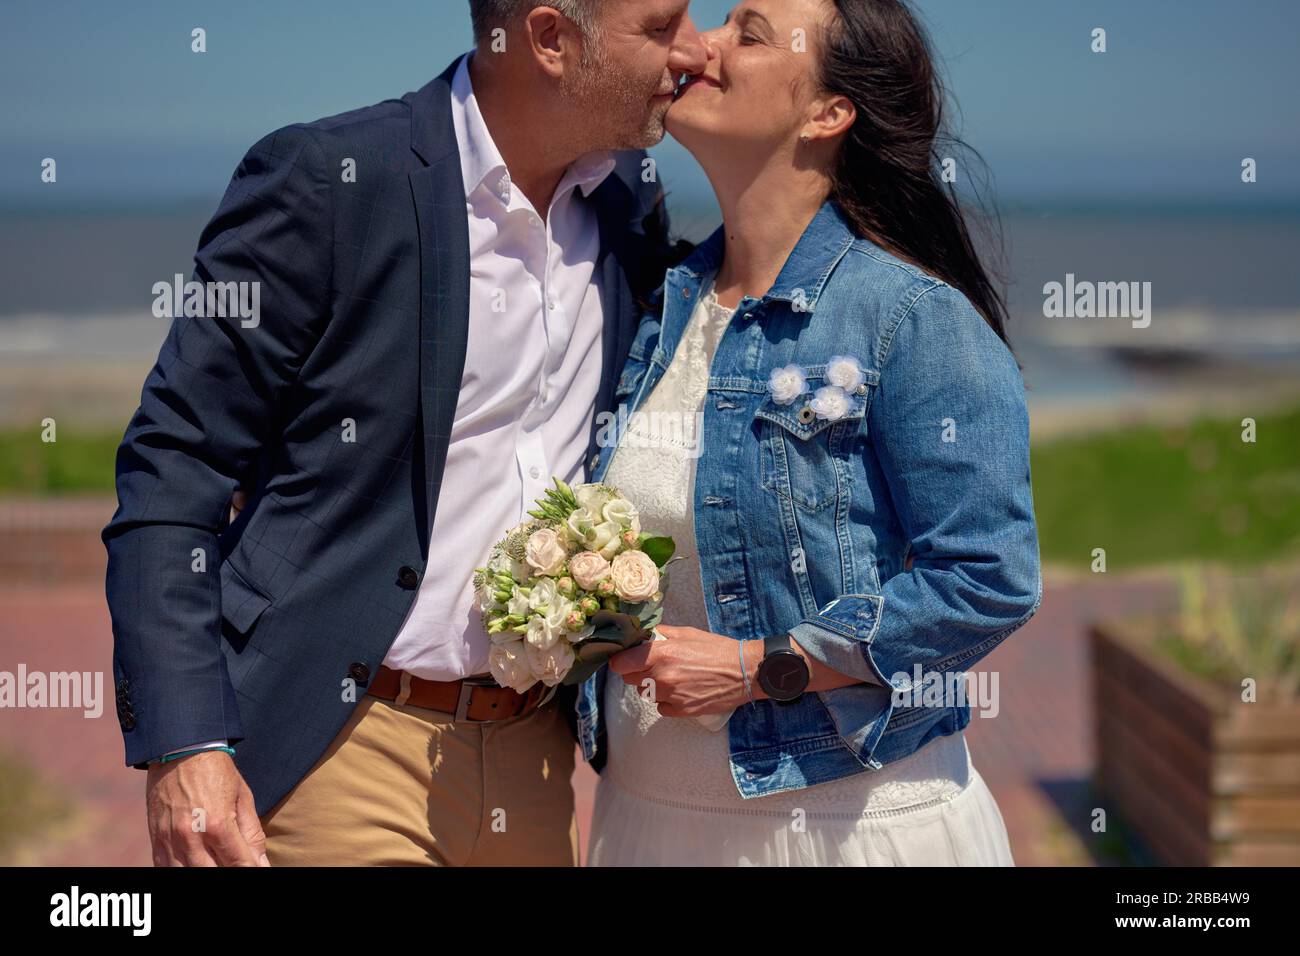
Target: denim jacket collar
(801, 280)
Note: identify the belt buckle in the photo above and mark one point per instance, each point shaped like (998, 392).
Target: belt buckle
(467, 686)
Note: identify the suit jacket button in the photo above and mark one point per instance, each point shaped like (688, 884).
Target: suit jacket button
(408, 577)
(128, 721)
(359, 672)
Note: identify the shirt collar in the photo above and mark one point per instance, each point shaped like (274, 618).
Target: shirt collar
(480, 160)
(809, 265)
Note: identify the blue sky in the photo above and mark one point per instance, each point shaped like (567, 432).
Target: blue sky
(1187, 89)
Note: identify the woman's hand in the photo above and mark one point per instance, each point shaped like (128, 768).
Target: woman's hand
(692, 672)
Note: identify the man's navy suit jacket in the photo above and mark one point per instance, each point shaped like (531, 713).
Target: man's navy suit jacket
(255, 631)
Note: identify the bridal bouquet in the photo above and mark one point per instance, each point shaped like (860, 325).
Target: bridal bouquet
(564, 592)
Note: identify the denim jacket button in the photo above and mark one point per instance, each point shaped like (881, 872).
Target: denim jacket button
(806, 414)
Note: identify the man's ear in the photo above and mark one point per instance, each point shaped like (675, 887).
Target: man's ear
(553, 40)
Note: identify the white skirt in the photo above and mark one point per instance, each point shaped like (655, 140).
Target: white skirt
(666, 798)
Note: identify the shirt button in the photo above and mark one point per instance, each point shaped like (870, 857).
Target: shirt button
(535, 471)
(595, 460)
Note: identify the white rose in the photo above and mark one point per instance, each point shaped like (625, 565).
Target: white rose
(549, 665)
(543, 594)
(545, 552)
(636, 578)
(578, 525)
(518, 606)
(786, 384)
(844, 371)
(557, 614)
(541, 634)
(623, 513)
(487, 598)
(588, 569)
(831, 403)
(593, 497)
(510, 666)
(606, 539)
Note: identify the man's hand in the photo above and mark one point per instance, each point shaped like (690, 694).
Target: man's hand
(224, 832)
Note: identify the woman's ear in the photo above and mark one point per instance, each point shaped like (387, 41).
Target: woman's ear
(831, 116)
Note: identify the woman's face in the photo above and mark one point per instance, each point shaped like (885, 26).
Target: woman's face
(758, 86)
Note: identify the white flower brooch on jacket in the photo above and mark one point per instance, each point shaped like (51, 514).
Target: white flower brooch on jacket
(831, 402)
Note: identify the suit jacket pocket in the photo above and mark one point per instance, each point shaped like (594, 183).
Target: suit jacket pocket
(242, 602)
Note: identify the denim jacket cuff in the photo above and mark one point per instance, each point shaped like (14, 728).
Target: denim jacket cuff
(840, 635)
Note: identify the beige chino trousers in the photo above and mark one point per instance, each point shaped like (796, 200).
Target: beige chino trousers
(407, 786)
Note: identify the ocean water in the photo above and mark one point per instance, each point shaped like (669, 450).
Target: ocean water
(1224, 286)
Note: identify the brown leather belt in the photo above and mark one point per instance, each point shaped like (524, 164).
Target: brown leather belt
(478, 698)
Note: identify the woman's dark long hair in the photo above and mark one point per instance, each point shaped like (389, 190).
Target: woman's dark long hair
(887, 178)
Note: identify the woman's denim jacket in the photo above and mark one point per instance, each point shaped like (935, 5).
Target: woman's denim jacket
(896, 543)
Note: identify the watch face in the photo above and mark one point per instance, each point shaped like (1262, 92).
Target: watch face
(784, 675)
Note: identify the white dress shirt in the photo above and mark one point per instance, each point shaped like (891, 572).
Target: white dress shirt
(527, 396)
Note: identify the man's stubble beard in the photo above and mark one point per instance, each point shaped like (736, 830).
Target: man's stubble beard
(602, 93)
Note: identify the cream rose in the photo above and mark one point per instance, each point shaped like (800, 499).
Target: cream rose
(510, 666)
(545, 553)
(635, 576)
(588, 569)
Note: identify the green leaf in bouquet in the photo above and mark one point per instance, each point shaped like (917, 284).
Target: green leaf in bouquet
(625, 624)
(615, 631)
(660, 549)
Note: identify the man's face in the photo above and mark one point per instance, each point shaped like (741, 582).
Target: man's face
(624, 87)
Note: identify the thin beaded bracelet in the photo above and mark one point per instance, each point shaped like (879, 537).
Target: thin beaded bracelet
(744, 673)
(196, 750)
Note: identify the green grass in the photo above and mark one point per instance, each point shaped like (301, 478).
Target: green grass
(77, 462)
(1148, 495)
(1151, 495)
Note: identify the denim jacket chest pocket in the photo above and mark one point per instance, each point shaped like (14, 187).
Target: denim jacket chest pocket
(806, 457)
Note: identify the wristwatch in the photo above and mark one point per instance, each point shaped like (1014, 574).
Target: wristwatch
(783, 674)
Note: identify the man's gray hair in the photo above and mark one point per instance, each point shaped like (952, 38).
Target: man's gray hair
(490, 14)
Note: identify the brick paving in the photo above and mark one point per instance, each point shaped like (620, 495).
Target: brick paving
(1036, 753)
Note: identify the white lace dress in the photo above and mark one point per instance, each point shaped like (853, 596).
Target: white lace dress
(666, 795)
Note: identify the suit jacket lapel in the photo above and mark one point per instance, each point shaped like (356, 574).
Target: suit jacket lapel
(438, 192)
(617, 267)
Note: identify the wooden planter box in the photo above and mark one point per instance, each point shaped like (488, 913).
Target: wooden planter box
(1203, 778)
